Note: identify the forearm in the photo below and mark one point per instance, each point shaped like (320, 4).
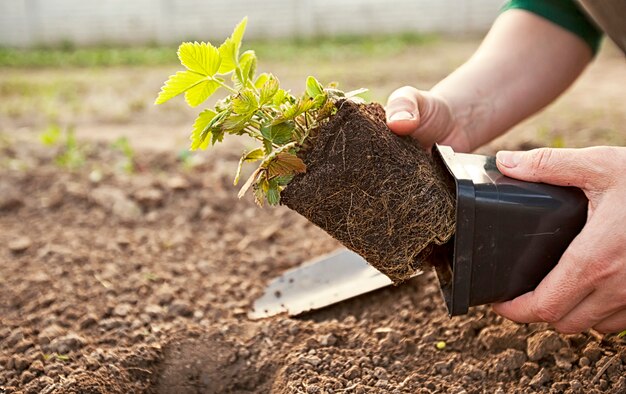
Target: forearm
(523, 64)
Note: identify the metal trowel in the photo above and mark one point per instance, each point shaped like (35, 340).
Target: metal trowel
(324, 281)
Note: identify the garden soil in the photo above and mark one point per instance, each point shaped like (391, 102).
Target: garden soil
(132, 283)
(379, 194)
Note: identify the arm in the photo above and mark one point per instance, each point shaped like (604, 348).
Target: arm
(523, 64)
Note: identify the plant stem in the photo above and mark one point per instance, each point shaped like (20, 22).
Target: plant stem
(222, 84)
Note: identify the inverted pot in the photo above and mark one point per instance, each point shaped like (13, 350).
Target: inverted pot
(509, 233)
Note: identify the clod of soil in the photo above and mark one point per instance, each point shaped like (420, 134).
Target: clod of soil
(380, 195)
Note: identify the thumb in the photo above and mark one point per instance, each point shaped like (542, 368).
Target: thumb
(402, 109)
(564, 167)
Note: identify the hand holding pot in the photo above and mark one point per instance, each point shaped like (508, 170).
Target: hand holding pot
(587, 287)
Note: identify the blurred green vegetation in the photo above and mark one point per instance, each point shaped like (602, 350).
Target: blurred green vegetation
(337, 47)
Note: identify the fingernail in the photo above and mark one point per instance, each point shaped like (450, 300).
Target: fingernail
(402, 115)
(508, 159)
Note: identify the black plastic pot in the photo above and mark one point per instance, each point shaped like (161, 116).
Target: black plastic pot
(509, 233)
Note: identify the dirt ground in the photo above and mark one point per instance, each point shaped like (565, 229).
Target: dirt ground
(118, 282)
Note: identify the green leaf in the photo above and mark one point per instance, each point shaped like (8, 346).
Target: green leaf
(198, 94)
(281, 97)
(280, 133)
(319, 101)
(268, 90)
(177, 84)
(229, 53)
(217, 135)
(51, 136)
(236, 123)
(260, 80)
(313, 87)
(247, 67)
(245, 102)
(297, 109)
(253, 155)
(285, 164)
(273, 194)
(200, 57)
(201, 130)
(240, 29)
(229, 50)
(283, 180)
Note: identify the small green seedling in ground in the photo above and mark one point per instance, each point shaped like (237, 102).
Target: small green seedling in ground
(128, 163)
(71, 155)
(622, 334)
(440, 345)
(256, 106)
(51, 136)
(59, 357)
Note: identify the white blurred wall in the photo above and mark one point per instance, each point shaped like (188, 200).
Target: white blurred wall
(26, 23)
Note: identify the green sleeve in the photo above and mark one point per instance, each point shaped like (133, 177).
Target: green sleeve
(564, 13)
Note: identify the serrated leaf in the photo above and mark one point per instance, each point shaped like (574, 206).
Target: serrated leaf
(298, 108)
(253, 155)
(217, 135)
(280, 98)
(273, 195)
(239, 31)
(313, 87)
(229, 50)
(201, 131)
(245, 102)
(284, 180)
(280, 133)
(285, 164)
(200, 57)
(198, 94)
(268, 90)
(178, 83)
(228, 53)
(236, 123)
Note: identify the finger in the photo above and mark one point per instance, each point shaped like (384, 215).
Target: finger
(614, 323)
(565, 167)
(402, 109)
(598, 306)
(556, 295)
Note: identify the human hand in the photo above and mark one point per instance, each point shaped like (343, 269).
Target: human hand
(426, 117)
(587, 288)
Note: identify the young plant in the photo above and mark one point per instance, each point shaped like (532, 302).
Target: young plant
(72, 155)
(256, 106)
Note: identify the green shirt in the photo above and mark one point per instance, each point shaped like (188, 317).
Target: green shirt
(564, 13)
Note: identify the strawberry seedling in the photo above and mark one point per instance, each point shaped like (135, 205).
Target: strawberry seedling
(325, 154)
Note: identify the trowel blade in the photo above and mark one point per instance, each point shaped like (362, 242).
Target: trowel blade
(318, 283)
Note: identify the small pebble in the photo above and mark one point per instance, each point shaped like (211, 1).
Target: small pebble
(19, 245)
